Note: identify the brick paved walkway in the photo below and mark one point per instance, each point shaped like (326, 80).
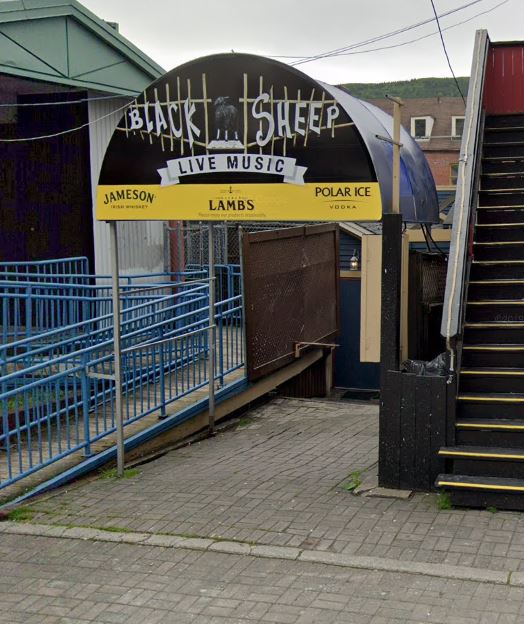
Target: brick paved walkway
(275, 480)
(61, 581)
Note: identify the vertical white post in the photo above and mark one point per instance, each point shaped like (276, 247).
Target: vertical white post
(117, 350)
(211, 330)
(396, 155)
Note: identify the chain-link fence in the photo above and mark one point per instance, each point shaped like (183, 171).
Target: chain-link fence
(186, 243)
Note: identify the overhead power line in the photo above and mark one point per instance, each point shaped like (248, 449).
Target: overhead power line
(387, 35)
(410, 41)
(63, 102)
(446, 52)
(68, 131)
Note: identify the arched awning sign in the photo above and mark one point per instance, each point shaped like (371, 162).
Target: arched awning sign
(237, 137)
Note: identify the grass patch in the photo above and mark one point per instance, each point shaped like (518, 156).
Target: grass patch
(354, 479)
(244, 422)
(492, 510)
(443, 501)
(111, 473)
(21, 514)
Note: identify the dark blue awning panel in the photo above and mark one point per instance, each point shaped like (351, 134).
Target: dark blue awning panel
(418, 195)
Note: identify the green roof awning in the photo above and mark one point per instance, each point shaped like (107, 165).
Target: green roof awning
(61, 41)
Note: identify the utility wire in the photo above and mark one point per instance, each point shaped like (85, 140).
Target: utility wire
(345, 52)
(446, 53)
(339, 52)
(63, 102)
(404, 43)
(387, 35)
(62, 132)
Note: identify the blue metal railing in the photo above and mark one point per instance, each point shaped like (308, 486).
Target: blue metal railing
(29, 305)
(57, 391)
(72, 268)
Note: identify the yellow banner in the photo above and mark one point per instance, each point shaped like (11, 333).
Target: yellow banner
(340, 201)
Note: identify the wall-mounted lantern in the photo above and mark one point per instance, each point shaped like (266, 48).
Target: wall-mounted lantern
(354, 262)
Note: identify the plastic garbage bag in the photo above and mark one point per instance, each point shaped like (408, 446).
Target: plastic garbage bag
(437, 366)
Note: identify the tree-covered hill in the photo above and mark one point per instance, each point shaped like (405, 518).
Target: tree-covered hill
(416, 88)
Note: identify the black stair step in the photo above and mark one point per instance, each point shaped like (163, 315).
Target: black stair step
(506, 149)
(486, 432)
(495, 311)
(498, 174)
(504, 140)
(498, 380)
(515, 126)
(514, 190)
(506, 199)
(486, 483)
(490, 405)
(487, 215)
(508, 289)
(493, 356)
(499, 232)
(494, 333)
(513, 135)
(502, 198)
(500, 269)
(505, 250)
(491, 397)
(502, 166)
(501, 159)
(491, 424)
(485, 461)
(501, 182)
(503, 121)
(471, 491)
(482, 453)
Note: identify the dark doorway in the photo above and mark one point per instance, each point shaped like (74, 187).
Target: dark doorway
(46, 206)
(350, 372)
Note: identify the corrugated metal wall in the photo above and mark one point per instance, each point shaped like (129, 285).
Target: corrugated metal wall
(504, 85)
(141, 243)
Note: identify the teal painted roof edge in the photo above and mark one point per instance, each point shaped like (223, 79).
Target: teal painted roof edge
(91, 86)
(16, 11)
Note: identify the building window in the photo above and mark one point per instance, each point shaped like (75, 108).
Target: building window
(421, 128)
(457, 126)
(453, 173)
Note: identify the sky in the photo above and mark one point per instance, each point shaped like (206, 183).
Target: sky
(172, 32)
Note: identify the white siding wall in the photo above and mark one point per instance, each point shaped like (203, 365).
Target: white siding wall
(141, 243)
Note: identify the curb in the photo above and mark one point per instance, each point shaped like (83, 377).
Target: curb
(463, 573)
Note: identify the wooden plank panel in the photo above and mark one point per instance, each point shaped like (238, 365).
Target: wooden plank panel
(389, 430)
(423, 433)
(438, 397)
(408, 423)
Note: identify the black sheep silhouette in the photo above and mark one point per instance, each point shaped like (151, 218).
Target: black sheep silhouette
(226, 118)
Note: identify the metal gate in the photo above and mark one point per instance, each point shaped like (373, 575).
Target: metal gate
(291, 293)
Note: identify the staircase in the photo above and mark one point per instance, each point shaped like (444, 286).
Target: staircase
(486, 465)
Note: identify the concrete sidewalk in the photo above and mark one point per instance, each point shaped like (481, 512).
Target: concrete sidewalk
(268, 496)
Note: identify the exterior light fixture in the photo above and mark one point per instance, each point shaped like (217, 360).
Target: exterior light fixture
(354, 262)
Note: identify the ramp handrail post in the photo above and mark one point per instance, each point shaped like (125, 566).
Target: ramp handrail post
(117, 341)
(84, 388)
(162, 375)
(211, 330)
